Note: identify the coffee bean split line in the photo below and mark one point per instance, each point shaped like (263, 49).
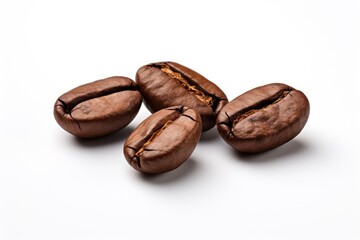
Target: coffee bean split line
(153, 137)
(191, 88)
(181, 111)
(96, 94)
(160, 90)
(67, 111)
(260, 106)
(183, 104)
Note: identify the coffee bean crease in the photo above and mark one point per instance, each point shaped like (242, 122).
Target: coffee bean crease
(70, 105)
(187, 83)
(262, 105)
(263, 118)
(164, 140)
(98, 108)
(152, 138)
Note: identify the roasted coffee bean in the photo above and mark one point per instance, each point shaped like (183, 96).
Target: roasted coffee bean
(263, 118)
(98, 108)
(164, 140)
(166, 84)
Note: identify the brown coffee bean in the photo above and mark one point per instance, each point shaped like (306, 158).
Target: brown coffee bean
(164, 140)
(263, 118)
(166, 84)
(98, 108)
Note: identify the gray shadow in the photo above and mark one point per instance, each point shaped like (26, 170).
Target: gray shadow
(113, 138)
(283, 152)
(185, 170)
(210, 135)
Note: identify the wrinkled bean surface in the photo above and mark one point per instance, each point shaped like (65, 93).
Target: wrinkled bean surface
(98, 108)
(164, 140)
(166, 84)
(263, 118)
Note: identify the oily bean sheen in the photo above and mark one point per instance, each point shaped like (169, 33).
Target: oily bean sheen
(98, 108)
(164, 140)
(263, 118)
(166, 84)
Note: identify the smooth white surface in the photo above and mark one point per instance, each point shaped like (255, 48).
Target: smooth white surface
(54, 186)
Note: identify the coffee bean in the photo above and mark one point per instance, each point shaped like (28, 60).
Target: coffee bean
(166, 84)
(98, 108)
(263, 118)
(164, 140)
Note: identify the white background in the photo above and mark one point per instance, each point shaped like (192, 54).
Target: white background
(54, 186)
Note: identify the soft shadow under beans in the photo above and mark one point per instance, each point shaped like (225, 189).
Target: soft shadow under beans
(114, 138)
(185, 170)
(210, 135)
(281, 153)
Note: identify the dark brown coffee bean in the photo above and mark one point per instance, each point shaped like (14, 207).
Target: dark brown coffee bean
(263, 118)
(98, 108)
(166, 84)
(164, 140)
